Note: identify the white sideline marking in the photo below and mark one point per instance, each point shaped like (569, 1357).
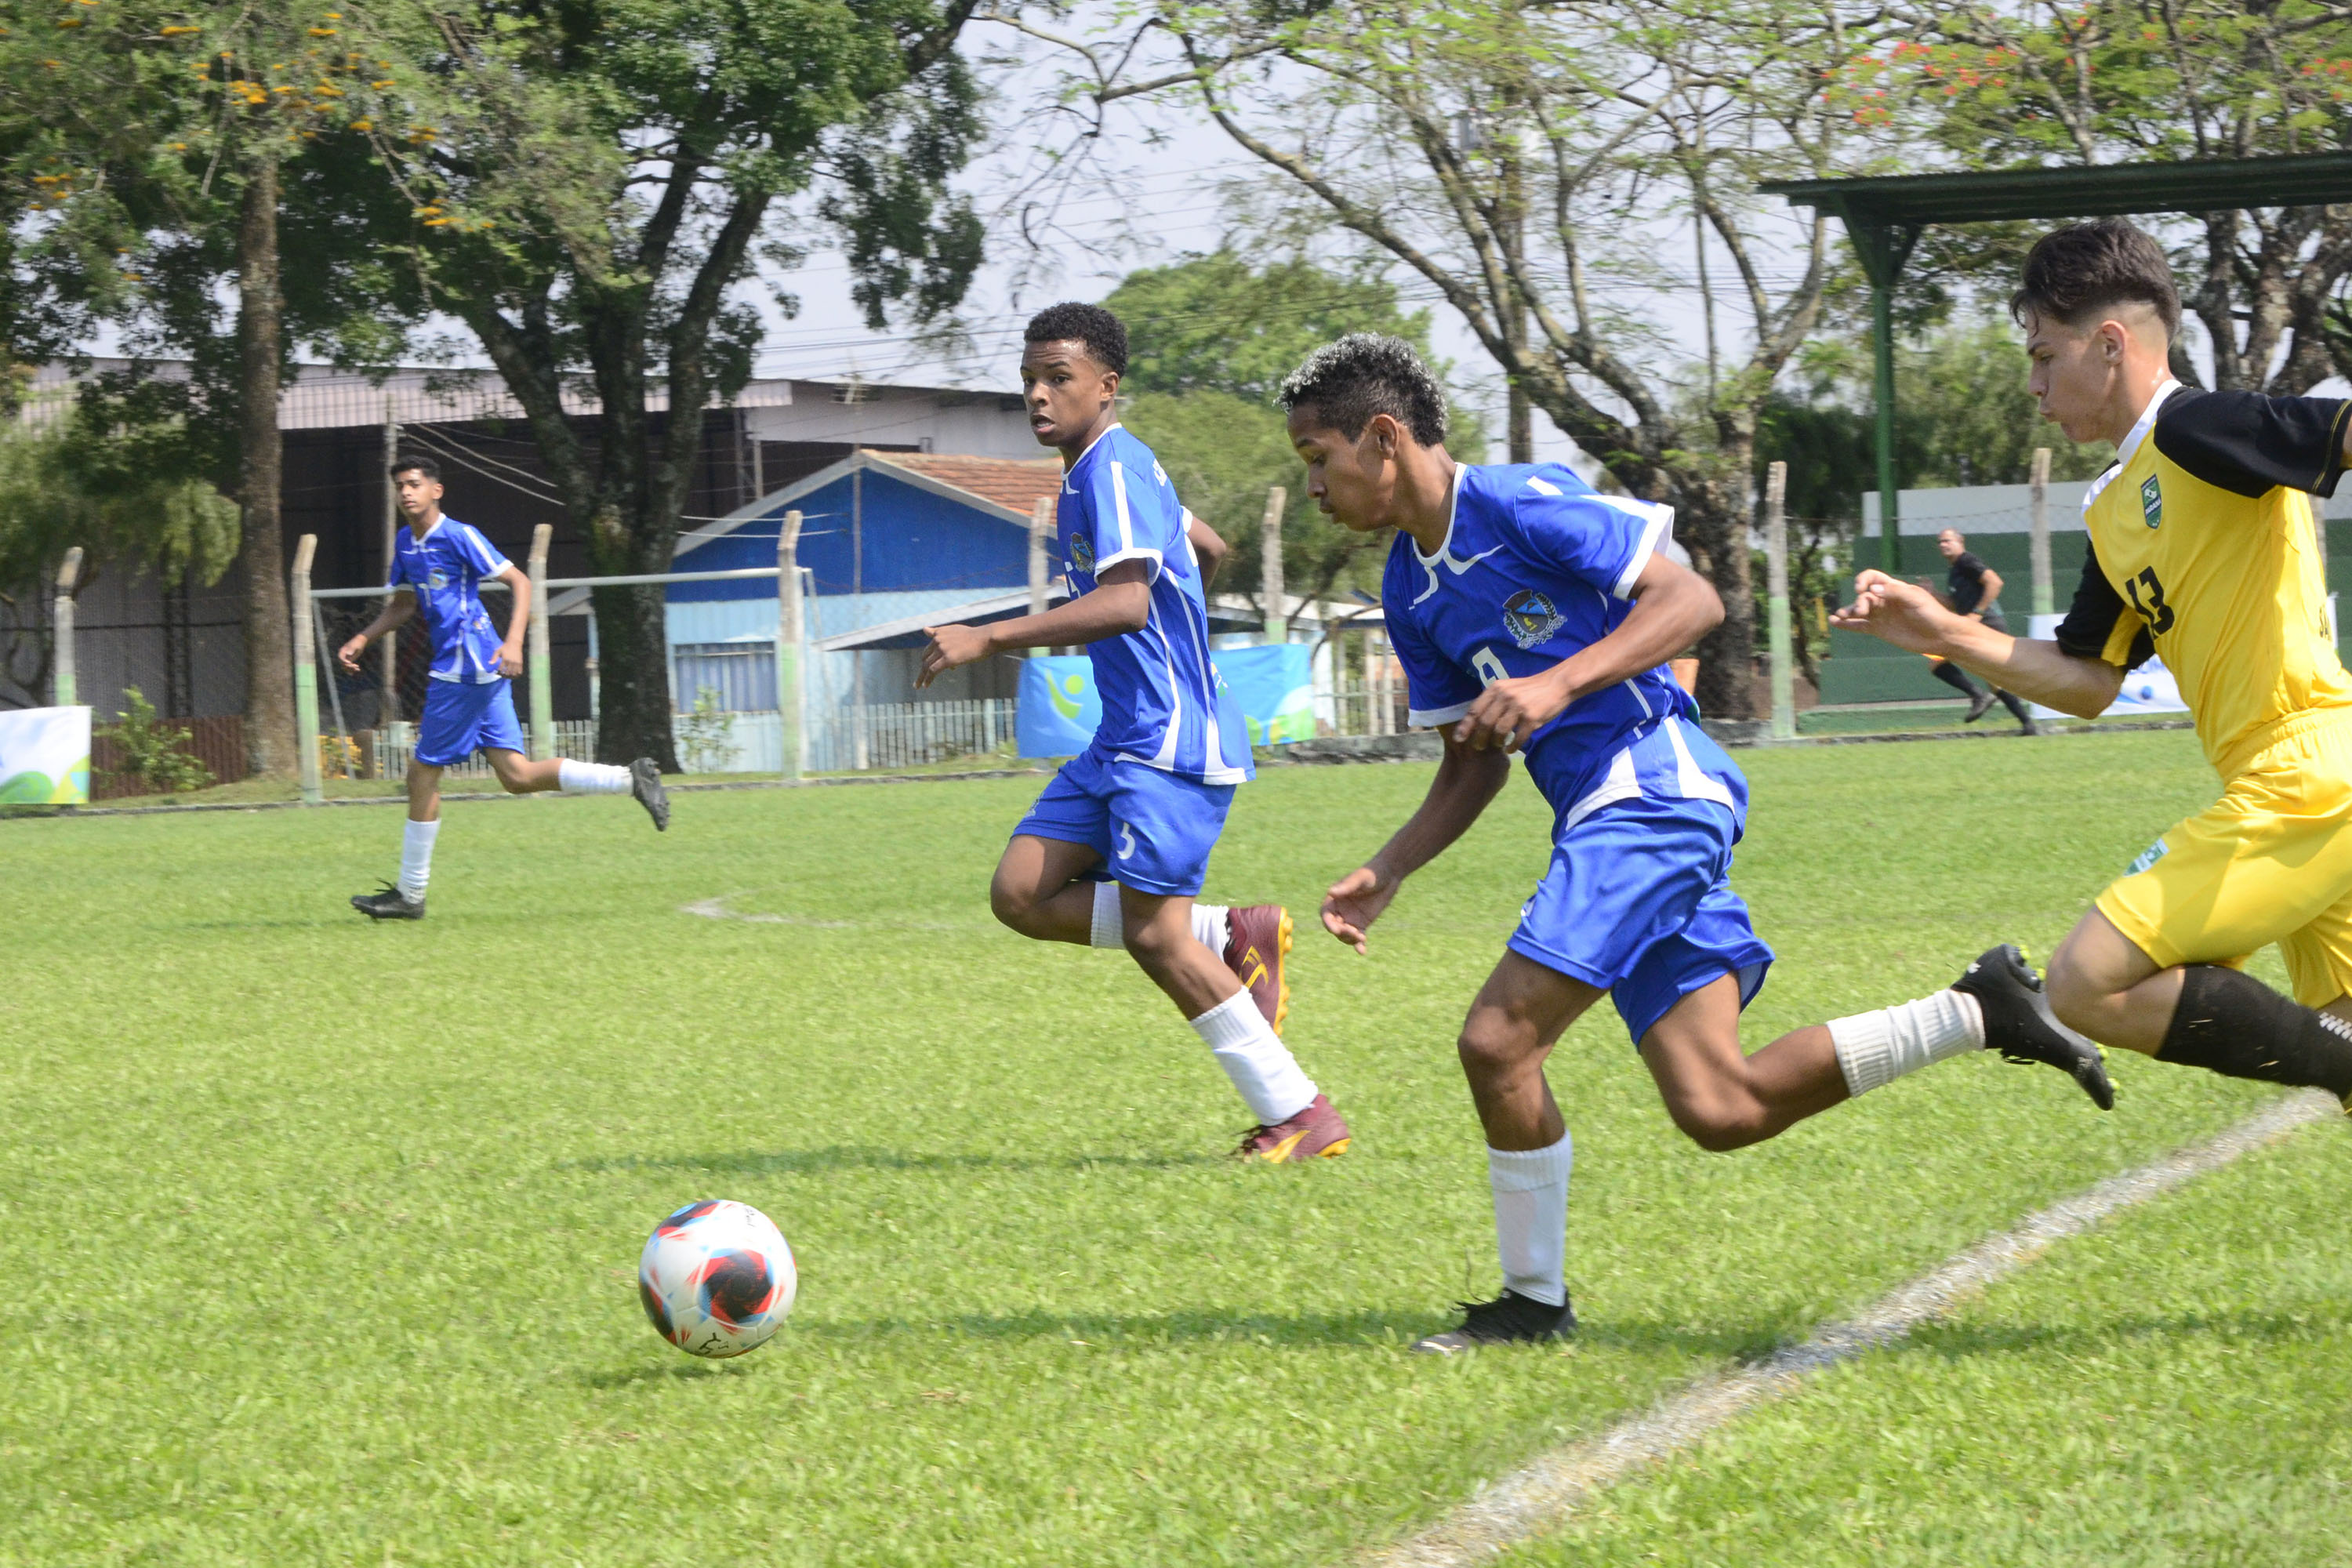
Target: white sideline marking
(1545, 1493)
(717, 910)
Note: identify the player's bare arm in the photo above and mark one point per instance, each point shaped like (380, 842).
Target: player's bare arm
(1209, 547)
(517, 621)
(1468, 779)
(1120, 604)
(1672, 608)
(398, 613)
(1910, 617)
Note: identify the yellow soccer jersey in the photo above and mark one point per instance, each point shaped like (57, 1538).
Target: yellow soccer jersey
(2201, 552)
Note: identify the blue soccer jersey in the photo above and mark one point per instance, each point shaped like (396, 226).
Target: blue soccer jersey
(1162, 703)
(444, 570)
(1536, 566)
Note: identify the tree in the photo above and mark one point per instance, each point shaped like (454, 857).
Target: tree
(591, 183)
(2104, 81)
(1519, 158)
(63, 485)
(159, 144)
(1210, 340)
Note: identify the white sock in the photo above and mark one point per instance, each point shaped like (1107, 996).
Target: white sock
(1110, 931)
(416, 858)
(592, 778)
(1255, 1058)
(1873, 1049)
(1210, 927)
(1531, 1217)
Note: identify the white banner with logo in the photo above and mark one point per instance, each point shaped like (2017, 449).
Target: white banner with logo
(45, 756)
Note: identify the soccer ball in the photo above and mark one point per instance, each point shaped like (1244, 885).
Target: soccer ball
(717, 1277)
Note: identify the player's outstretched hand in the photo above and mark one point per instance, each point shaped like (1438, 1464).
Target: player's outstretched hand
(348, 655)
(1507, 714)
(950, 647)
(1896, 612)
(1354, 902)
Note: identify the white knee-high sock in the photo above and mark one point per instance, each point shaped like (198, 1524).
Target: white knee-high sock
(1208, 925)
(416, 858)
(1531, 1217)
(1875, 1049)
(1110, 930)
(1262, 1067)
(592, 778)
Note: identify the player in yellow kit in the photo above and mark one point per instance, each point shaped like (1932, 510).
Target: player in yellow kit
(2201, 550)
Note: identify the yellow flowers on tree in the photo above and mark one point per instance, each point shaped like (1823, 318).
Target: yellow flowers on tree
(155, 155)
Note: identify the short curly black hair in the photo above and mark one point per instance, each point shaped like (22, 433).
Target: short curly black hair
(1104, 334)
(1365, 374)
(425, 466)
(2080, 269)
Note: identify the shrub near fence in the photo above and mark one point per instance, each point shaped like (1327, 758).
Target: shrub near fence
(219, 742)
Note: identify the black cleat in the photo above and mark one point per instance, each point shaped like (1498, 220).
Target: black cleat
(1509, 1319)
(2020, 1026)
(1978, 706)
(2028, 727)
(645, 782)
(389, 903)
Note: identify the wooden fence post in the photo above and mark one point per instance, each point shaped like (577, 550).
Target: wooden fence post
(1776, 560)
(67, 692)
(1277, 624)
(305, 671)
(542, 666)
(790, 734)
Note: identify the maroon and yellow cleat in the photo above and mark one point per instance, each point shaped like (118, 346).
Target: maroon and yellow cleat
(1258, 940)
(1316, 1133)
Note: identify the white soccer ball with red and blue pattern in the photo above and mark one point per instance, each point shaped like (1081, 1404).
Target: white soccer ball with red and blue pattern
(717, 1279)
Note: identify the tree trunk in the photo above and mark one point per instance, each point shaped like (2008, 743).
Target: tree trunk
(633, 710)
(269, 736)
(1712, 524)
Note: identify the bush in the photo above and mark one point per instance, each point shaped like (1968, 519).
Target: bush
(705, 737)
(152, 749)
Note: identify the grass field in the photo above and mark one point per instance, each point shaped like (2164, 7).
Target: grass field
(322, 1235)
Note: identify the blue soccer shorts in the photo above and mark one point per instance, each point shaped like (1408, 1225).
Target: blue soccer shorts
(1154, 829)
(462, 716)
(1638, 902)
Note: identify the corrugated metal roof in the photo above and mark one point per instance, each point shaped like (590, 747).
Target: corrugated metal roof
(321, 397)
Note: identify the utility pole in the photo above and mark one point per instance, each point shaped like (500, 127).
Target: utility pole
(789, 715)
(388, 646)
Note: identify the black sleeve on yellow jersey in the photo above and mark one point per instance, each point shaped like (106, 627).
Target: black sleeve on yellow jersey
(2249, 445)
(2090, 623)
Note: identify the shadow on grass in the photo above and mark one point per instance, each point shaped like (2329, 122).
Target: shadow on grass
(863, 1157)
(1380, 1327)
(1960, 1341)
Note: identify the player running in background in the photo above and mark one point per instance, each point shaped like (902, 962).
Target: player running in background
(1533, 614)
(1972, 588)
(2201, 550)
(1116, 849)
(438, 564)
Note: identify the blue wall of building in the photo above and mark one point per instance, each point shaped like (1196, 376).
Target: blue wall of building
(914, 542)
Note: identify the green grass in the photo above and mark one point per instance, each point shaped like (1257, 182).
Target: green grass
(2174, 1390)
(321, 1235)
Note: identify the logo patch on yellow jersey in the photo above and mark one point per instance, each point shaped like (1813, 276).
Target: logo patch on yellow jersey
(2152, 502)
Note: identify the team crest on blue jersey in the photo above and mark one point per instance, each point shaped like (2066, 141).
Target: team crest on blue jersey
(1531, 618)
(1082, 555)
(437, 579)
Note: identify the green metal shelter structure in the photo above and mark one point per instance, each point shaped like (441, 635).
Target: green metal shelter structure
(1883, 216)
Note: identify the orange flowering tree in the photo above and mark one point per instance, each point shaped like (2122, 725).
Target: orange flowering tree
(191, 174)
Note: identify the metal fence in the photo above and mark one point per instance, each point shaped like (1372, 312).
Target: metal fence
(387, 751)
(908, 734)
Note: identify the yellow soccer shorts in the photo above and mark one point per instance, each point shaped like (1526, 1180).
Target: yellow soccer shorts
(2270, 861)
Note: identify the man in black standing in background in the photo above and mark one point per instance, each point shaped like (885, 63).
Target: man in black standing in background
(1973, 589)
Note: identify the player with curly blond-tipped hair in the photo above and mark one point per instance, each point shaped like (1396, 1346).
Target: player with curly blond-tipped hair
(1533, 614)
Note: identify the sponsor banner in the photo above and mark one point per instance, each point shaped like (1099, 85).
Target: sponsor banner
(1273, 685)
(1059, 706)
(45, 756)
